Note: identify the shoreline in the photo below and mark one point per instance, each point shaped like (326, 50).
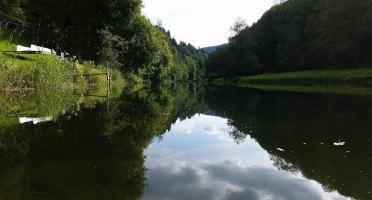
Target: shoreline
(342, 81)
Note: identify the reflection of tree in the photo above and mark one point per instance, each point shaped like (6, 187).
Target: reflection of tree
(93, 153)
(48, 103)
(305, 126)
(328, 188)
(83, 163)
(282, 164)
(235, 134)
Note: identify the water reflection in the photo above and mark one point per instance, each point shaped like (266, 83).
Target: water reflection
(86, 151)
(215, 143)
(197, 159)
(306, 126)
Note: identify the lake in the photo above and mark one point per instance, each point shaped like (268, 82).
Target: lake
(185, 142)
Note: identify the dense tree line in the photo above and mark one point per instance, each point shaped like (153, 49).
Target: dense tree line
(112, 30)
(299, 35)
(189, 62)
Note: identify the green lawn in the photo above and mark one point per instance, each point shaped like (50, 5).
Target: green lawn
(364, 91)
(18, 71)
(343, 81)
(328, 76)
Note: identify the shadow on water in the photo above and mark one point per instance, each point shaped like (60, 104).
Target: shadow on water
(299, 131)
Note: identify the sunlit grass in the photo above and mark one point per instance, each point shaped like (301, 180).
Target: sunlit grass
(365, 91)
(343, 81)
(19, 71)
(361, 75)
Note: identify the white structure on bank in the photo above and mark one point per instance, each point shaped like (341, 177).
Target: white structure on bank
(34, 48)
(22, 48)
(34, 120)
(40, 49)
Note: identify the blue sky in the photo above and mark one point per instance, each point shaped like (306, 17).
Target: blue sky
(203, 22)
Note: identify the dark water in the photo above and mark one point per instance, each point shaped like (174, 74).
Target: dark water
(185, 142)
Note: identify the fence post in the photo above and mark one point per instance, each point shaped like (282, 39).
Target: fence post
(108, 76)
(108, 85)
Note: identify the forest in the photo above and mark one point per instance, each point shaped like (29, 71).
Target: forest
(297, 35)
(294, 35)
(100, 31)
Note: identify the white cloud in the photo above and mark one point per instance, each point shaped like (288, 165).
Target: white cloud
(203, 22)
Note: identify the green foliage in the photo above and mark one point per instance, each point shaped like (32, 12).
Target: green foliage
(189, 62)
(299, 35)
(45, 71)
(41, 71)
(109, 51)
(149, 55)
(10, 38)
(10, 11)
(113, 31)
(37, 70)
(116, 77)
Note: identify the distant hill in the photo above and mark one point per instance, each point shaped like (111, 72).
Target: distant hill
(213, 48)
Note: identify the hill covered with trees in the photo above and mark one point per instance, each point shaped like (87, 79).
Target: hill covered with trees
(213, 48)
(299, 35)
(112, 30)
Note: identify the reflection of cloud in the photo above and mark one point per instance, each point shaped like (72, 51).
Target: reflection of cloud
(226, 138)
(214, 130)
(187, 131)
(229, 181)
(210, 125)
(220, 132)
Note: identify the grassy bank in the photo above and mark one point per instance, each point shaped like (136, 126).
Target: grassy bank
(343, 81)
(365, 91)
(20, 71)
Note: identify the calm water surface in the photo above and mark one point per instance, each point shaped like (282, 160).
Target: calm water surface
(185, 142)
(198, 159)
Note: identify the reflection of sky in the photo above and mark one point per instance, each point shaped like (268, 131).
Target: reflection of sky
(198, 160)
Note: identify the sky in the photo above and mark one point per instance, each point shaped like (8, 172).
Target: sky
(203, 22)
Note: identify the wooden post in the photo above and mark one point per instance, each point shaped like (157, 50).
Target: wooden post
(108, 85)
(108, 76)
